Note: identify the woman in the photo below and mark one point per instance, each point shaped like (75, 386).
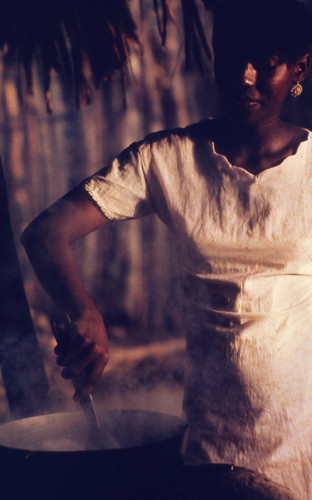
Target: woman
(236, 193)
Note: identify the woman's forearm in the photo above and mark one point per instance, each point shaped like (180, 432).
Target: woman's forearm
(47, 241)
(50, 253)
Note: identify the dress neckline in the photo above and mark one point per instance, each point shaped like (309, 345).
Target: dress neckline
(302, 145)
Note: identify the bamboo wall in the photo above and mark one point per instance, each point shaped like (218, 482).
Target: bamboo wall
(46, 155)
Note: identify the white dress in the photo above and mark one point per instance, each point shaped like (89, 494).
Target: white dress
(246, 247)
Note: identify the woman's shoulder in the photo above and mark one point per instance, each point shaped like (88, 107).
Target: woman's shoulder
(296, 135)
(301, 144)
(193, 132)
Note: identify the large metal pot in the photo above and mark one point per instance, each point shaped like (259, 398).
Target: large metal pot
(50, 456)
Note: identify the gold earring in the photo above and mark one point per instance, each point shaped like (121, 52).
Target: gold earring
(296, 90)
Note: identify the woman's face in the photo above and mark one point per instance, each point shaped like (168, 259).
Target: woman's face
(254, 86)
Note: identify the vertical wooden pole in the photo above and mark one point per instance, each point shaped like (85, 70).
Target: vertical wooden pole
(21, 363)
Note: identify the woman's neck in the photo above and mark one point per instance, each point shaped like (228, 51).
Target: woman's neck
(262, 135)
(256, 147)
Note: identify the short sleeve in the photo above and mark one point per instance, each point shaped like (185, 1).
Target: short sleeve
(120, 190)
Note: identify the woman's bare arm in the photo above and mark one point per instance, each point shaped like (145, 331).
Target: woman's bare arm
(47, 242)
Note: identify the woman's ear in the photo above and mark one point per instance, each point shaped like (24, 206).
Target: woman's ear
(302, 67)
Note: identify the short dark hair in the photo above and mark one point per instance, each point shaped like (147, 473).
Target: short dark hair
(283, 27)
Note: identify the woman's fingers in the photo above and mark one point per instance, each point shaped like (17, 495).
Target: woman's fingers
(85, 358)
(80, 347)
(67, 352)
(91, 354)
(80, 360)
(93, 374)
(82, 350)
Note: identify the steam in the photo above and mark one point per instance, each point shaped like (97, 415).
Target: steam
(23, 383)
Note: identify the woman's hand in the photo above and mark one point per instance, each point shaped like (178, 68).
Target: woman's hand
(82, 350)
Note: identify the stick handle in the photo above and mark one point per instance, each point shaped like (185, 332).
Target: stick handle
(60, 323)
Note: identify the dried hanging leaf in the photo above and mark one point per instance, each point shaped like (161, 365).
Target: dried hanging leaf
(163, 15)
(195, 39)
(69, 36)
